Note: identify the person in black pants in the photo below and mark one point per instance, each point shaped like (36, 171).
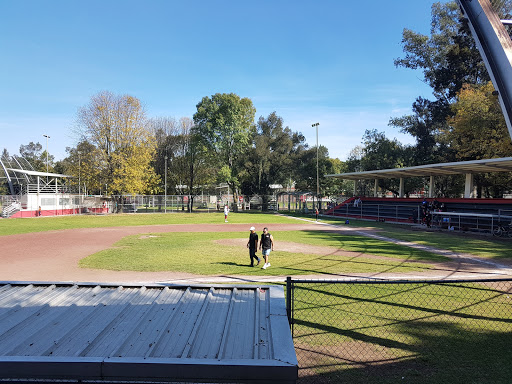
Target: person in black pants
(252, 244)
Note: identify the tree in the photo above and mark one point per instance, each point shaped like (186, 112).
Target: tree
(448, 57)
(379, 152)
(426, 125)
(187, 169)
(478, 131)
(223, 127)
(339, 186)
(33, 153)
(305, 170)
(4, 186)
(82, 163)
(116, 127)
(270, 159)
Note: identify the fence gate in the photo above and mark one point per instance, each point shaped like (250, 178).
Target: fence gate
(370, 331)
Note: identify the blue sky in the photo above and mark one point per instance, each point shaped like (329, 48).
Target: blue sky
(325, 61)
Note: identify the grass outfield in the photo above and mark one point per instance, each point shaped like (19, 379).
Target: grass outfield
(41, 224)
(200, 253)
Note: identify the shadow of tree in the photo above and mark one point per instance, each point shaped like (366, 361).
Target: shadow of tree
(413, 333)
(443, 353)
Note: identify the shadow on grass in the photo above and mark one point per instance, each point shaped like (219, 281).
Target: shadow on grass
(437, 333)
(243, 265)
(442, 352)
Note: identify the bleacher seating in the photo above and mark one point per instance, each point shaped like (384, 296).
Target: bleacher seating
(408, 209)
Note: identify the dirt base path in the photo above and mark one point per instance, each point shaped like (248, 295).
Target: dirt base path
(54, 256)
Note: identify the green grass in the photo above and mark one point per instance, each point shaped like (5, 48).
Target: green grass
(200, 254)
(40, 224)
(478, 245)
(414, 333)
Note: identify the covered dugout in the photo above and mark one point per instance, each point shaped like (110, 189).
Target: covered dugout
(469, 168)
(112, 333)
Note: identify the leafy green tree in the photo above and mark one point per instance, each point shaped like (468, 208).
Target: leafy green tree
(448, 57)
(4, 186)
(223, 127)
(81, 163)
(188, 171)
(379, 152)
(426, 125)
(34, 154)
(270, 159)
(478, 131)
(305, 171)
(124, 146)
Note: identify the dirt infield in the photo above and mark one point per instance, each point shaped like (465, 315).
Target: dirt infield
(54, 256)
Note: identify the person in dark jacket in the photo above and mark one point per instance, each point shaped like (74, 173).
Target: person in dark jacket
(266, 245)
(252, 244)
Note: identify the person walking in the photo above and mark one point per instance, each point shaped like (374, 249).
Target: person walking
(252, 244)
(226, 213)
(266, 245)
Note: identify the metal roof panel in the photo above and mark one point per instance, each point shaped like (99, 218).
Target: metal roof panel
(88, 331)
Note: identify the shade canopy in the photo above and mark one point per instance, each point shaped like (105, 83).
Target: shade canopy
(503, 164)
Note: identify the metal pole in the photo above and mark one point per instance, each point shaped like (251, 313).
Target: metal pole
(317, 178)
(47, 137)
(165, 192)
(289, 300)
(79, 173)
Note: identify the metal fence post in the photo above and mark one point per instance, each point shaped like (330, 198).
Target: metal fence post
(289, 301)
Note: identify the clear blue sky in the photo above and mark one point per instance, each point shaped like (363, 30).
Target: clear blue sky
(324, 61)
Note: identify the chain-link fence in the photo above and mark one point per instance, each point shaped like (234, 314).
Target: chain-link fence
(402, 331)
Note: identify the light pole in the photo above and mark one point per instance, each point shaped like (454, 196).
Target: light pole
(79, 173)
(317, 179)
(47, 137)
(165, 187)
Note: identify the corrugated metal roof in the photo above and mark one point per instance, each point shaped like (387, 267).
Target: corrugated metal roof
(90, 332)
(503, 164)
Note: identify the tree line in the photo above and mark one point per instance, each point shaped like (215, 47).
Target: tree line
(463, 122)
(121, 150)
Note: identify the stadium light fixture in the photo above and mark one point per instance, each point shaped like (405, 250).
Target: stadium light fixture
(47, 137)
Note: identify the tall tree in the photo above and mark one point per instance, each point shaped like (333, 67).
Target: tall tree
(305, 171)
(478, 131)
(223, 126)
(187, 169)
(270, 159)
(82, 163)
(448, 59)
(426, 125)
(34, 154)
(116, 126)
